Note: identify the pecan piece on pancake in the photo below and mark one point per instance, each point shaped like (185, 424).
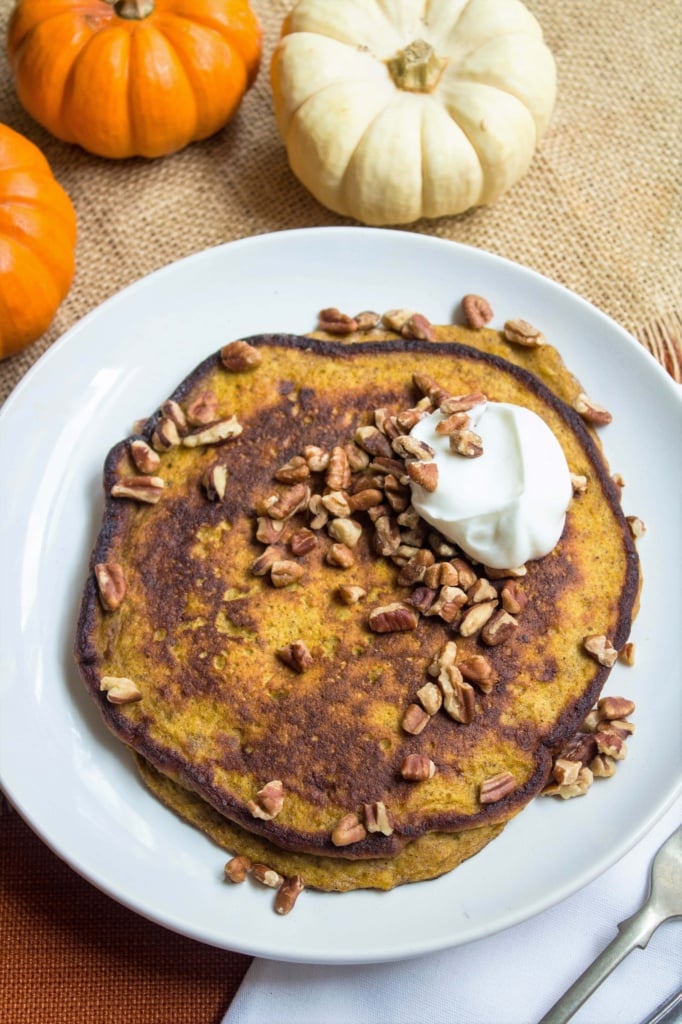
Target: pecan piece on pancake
(393, 618)
(120, 689)
(424, 473)
(143, 455)
(239, 356)
(139, 488)
(284, 571)
(269, 801)
(590, 411)
(214, 481)
(214, 433)
(296, 655)
(417, 768)
(497, 787)
(378, 819)
(203, 409)
(348, 830)
(419, 328)
(111, 585)
(520, 332)
(599, 647)
(333, 321)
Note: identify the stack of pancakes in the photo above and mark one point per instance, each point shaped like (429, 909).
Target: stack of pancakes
(267, 705)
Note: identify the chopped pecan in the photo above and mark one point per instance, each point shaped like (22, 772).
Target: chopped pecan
(448, 603)
(338, 469)
(165, 435)
(269, 531)
(387, 536)
(365, 499)
(430, 388)
(459, 698)
(145, 458)
(415, 719)
(430, 698)
(215, 433)
(120, 689)
(349, 594)
(340, 555)
(602, 766)
(477, 311)
(476, 617)
(395, 319)
(569, 790)
(238, 356)
(348, 830)
(265, 561)
(111, 585)
(316, 457)
(565, 772)
(579, 483)
(467, 443)
(267, 876)
(466, 577)
(393, 618)
(447, 655)
(366, 320)
(477, 669)
(333, 321)
(636, 525)
(456, 422)
(481, 590)
(615, 707)
(296, 655)
(414, 569)
(269, 801)
(302, 542)
(419, 328)
(501, 574)
(513, 598)
(627, 653)
(287, 894)
(408, 447)
(520, 332)
(425, 474)
(173, 411)
(601, 649)
(203, 409)
(215, 481)
(499, 628)
(422, 598)
(417, 768)
(139, 488)
(454, 404)
(283, 572)
(610, 743)
(378, 819)
(289, 502)
(357, 458)
(497, 787)
(295, 471)
(590, 411)
(237, 868)
(345, 531)
(336, 503)
(371, 440)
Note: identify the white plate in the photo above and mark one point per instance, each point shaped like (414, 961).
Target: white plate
(76, 786)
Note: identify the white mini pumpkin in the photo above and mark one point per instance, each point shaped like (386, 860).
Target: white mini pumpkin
(392, 110)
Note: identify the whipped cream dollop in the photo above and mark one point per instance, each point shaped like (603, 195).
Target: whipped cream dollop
(509, 504)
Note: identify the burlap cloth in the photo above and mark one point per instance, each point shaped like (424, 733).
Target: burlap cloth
(599, 211)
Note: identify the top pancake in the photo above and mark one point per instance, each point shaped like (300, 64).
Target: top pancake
(197, 631)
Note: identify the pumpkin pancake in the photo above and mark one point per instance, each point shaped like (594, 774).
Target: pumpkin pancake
(428, 857)
(219, 634)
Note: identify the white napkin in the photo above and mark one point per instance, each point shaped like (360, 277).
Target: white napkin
(513, 977)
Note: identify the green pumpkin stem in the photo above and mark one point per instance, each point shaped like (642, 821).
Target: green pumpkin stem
(417, 68)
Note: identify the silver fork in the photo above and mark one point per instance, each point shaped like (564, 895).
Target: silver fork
(664, 901)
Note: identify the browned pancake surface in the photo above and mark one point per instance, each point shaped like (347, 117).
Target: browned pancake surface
(198, 632)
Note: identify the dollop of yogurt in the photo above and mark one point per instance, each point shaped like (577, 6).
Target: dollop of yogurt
(508, 505)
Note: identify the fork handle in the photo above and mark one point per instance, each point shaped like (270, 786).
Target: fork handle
(634, 931)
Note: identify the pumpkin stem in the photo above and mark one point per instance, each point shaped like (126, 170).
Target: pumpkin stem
(417, 68)
(133, 10)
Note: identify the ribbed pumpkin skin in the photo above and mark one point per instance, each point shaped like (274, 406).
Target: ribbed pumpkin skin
(133, 86)
(37, 243)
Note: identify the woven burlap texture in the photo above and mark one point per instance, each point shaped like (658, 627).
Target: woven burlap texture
(599, 210)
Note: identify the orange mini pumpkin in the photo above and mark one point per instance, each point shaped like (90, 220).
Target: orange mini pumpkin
(37, 242)
(126, 78)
